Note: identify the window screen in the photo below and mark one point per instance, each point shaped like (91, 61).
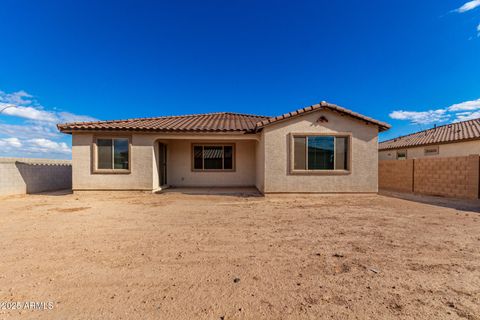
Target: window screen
(341, 150)
(300, 153)
(104, 151)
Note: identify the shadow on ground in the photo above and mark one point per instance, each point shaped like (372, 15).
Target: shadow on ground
(55, 193)
(458, 204)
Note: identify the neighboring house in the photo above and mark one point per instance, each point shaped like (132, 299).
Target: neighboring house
(321, 148)
(451, 140)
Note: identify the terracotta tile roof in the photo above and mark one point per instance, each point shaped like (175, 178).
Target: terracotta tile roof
(208, 122)
(326, 106)
(454, 132)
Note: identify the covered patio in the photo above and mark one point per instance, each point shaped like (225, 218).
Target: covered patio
(205, 161)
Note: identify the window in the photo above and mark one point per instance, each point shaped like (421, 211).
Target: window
(430, 151)
(320, 152)
(213, 157)
(113, 154)
(401, 154)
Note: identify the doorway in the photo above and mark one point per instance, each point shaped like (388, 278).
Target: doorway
(162, 163)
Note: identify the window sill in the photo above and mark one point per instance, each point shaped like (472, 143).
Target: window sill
(111, 171)
(321, 172)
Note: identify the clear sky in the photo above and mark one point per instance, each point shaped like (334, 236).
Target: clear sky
(410, 63)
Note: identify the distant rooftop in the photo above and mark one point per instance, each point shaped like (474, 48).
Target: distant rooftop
(449, 133)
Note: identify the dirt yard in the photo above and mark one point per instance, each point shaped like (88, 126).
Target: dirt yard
(178, 256)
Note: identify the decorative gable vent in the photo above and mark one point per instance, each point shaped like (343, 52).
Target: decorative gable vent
(322, 119)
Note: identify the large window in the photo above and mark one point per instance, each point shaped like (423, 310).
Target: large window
(112, 154)
(320, 152)
(213, 157)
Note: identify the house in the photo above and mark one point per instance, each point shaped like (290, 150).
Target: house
(451, 140)
(321, 148)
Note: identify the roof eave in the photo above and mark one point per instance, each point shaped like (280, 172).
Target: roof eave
(130, 130)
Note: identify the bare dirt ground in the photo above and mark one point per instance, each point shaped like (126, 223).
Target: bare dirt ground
(177, 256)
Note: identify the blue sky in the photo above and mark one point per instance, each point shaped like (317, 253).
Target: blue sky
(410, 63)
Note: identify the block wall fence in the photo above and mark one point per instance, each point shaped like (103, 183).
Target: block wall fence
(455, 177)
(22, 175)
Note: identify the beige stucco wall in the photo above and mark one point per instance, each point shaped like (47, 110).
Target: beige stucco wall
(387, 155)
(260, 164)
(458, 149)
(140, 177)
(364, 159)
(144, 163)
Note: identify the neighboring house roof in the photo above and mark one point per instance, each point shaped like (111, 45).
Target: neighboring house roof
(450, 133)
(208, 122)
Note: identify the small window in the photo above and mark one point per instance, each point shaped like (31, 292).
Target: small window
(213, 157)
(431, 151)
(402, 155)
(320, 153)
(113, 154)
